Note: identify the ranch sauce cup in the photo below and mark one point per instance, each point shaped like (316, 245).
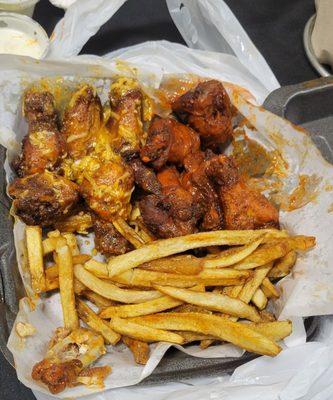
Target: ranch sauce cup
(22, 35)
(25, 7)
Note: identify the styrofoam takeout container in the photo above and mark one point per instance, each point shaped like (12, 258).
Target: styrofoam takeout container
(25, 7)
(22, 35)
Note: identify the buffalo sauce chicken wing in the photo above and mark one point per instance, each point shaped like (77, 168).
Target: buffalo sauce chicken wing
(207, 109)
(243, 207)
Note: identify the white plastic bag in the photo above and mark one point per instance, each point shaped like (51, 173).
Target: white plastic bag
(303, 372)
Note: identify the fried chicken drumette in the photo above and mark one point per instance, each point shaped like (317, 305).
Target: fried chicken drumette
(43, 198)
(243, 207)
(69, 355)
(44, 146)
(207, 109)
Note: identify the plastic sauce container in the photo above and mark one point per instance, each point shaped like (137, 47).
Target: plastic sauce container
(22, 35)
(19, 6)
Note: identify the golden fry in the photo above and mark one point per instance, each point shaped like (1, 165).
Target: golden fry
(276, 331)
(144, 333)
(220, 328)
(95, 322)
(259, 299)
(66, 286)
(140, 350)
(214, 302)
(111, 291)
(194, 337)
(179, 264)
(97, 299)
(283, 266)
(134, 310)
(272, 251)
(35, 258)
(75, 223)
(167, 247)
(269, 289)
(49, 245)
(231, 256)
(128, 232)
(254, 283)
(144, 278)
(72, 243)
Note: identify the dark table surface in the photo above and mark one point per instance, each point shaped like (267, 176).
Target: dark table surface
(276, 29)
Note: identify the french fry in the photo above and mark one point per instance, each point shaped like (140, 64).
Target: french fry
(144, 333)
(179, 264)
(259, 299)
(231, 256)
(79, 287)
(191, 308)
(95, 322)
(66, 286)
(35, 258)
(220, 328)
(167, 247)
(111, 291)
(149, 307)
(205, 343)
(53, 283)
(267, 316)
(52, 271)
(269, 289)
(254, 283)
(143, 278)
(283, 266)
(272, 251)
(75, 223)
(129, 233)
(140, 350)
(232, 291)
(49, 245)
(195, 337)
(212, 301)
(97, 299)
(276, 331)
(134, 310)
(72, 243)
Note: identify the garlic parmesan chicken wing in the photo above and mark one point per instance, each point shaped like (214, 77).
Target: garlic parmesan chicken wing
(125, 123)
(43, 147)
(43, 199)
(68, 357)
(82, 119)
(107, 190)
(243, 207)
(207, 109)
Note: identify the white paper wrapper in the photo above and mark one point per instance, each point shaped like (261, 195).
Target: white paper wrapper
(313, 219)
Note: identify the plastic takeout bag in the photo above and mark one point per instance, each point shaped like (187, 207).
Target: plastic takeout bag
(302, 371)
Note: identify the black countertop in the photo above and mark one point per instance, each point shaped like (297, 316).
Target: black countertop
(275, 27)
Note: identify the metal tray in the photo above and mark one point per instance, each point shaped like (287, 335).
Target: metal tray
(306, 104)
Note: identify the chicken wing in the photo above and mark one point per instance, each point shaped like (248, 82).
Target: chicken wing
(43, 147)
(67, 356)
(174, 212)
(107, 189)
(126, 119)
(207, 109)
(42, 199)
(108, 240)
(82, 119)
(144, 177)
(170, 141)
(243, 207)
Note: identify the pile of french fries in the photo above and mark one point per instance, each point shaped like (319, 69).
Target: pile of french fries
(160, 292)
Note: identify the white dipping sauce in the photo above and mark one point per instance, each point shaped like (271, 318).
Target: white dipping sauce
(13, 41)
